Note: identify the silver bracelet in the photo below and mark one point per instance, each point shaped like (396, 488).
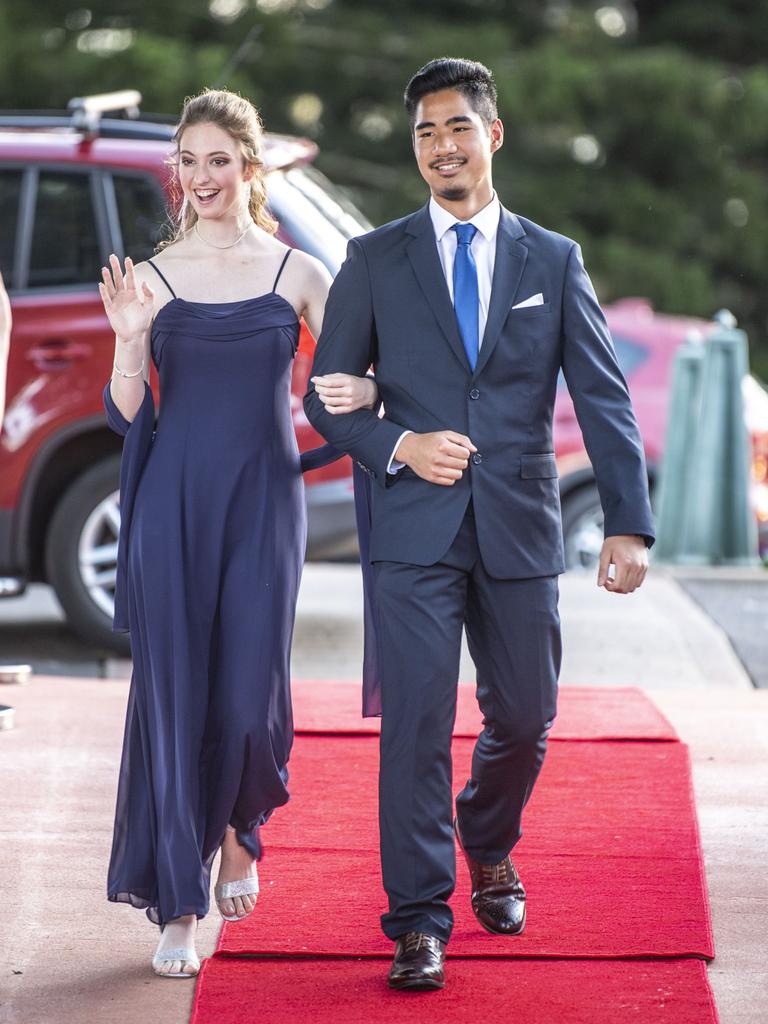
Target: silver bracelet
(122, 373)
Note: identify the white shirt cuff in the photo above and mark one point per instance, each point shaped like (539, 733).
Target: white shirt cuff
(394, 466)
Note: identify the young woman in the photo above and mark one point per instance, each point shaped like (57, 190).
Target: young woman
(213, 532)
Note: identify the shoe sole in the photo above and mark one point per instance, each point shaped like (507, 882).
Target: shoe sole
(416, 986)
(175, 974)
(234, 920)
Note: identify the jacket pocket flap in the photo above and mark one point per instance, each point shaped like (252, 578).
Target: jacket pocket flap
(538, 467)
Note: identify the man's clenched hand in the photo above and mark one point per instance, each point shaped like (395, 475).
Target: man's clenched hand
(629, 556)
(440, 457)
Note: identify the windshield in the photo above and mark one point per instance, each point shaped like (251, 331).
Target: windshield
(315, 215)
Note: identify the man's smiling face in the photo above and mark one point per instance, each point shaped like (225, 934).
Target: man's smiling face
(454, 147)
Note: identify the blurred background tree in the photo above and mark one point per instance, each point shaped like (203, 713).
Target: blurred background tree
(641, 129)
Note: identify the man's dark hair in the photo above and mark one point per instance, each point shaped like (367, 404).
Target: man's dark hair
(469, 77)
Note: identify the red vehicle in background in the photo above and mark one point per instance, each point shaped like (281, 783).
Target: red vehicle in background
(645, 343)
(75, 187)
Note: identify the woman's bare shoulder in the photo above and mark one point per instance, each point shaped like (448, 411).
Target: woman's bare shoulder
(142, 268)
(307, 269)
(146, 272)
(166, 260)
(177, 252)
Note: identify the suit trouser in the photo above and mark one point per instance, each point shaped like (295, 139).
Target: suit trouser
(513, 632)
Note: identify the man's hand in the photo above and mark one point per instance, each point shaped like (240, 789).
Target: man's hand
(439, 458)
(629, 556)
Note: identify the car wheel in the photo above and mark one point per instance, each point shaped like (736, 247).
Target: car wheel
(582, 528)
(81, 554)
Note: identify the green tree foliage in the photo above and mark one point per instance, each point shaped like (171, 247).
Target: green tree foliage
(639, 129)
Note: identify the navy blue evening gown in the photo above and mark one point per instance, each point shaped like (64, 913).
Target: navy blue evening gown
(212, 547)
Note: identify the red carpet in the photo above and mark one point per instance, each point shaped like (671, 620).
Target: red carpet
(611, 860)
(525, 992)
(584, 713)
(609, 830)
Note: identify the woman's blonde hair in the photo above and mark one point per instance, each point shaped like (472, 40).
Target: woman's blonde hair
(239, 118)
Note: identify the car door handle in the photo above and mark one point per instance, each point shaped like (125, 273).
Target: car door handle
(57, 353)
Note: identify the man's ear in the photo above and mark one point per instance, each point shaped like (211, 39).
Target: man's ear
(497, 135)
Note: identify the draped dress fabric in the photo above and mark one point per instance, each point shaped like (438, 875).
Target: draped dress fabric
(212, 550)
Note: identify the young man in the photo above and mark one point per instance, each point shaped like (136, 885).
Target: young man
(468, 312)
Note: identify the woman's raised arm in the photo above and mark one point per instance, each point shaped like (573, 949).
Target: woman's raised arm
(129, 305)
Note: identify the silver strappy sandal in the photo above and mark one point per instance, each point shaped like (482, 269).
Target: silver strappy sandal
(186, 956)
(241, 887)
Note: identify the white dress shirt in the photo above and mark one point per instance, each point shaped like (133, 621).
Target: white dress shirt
(483, 248)
(484, 251)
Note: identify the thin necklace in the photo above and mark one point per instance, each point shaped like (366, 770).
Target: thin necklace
(229, 245)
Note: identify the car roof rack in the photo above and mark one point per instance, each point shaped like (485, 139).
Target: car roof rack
(85, 115)
(86, 111)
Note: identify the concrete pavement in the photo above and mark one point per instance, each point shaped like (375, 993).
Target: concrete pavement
(81, 959)
(656, 637)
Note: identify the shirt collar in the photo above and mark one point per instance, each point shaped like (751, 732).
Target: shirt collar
(486, 220)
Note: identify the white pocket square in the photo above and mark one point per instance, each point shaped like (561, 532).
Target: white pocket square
(534, 300)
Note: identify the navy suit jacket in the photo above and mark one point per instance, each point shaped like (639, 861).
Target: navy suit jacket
(390, 308)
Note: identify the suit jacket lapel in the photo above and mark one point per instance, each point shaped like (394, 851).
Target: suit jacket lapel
(507, 272)
(422, 252)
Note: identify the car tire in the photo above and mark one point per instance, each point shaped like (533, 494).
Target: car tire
(86, 522)
(582, 516)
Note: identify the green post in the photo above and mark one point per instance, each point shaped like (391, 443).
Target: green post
(719, 525)
(674, 478)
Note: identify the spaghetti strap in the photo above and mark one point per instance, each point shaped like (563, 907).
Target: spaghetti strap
(163, 278)
(285, 260)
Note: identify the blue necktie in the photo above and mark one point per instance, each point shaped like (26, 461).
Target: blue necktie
(466, 296)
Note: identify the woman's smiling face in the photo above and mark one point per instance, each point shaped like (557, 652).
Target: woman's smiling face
(212, 171)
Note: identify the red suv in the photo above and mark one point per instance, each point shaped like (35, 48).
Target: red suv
(74, 188)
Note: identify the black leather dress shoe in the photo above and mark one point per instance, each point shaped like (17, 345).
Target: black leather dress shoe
(419, 962)
(498, 896)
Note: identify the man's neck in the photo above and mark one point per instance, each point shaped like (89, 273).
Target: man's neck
(465, 209)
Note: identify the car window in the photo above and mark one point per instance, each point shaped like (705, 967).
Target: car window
(142, 213)
(65, 248)
(630, 354)
(316, 217)
(328, 198)
(10, 192)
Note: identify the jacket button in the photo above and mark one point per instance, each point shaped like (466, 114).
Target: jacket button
(474, 393)
(477, 458)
